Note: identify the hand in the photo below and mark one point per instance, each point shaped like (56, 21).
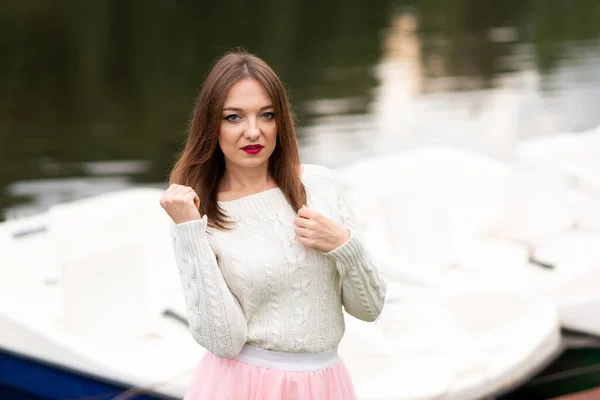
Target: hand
(316, 231)
(181, 203)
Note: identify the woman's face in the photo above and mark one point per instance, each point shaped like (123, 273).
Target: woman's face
(248, 132)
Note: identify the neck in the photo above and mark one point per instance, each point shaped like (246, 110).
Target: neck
(236, 179)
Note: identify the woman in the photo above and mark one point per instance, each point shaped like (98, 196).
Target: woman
(266, 248)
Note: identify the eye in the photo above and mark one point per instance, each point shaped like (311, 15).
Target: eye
(269, 115)
(232, 118)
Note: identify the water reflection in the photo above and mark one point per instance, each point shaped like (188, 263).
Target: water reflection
(470, 108)
(96, 96)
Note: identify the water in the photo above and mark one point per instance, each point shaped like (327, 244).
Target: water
(96, 96)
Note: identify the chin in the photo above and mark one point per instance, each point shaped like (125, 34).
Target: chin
(253, 162)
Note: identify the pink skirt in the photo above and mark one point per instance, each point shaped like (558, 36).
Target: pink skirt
(269, 375)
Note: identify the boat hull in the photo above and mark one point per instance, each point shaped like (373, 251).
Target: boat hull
(24, 378)
(576, 370)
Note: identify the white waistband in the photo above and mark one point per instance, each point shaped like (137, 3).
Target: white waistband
(288, 361)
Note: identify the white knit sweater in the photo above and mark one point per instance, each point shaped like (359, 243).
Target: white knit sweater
(256, 284)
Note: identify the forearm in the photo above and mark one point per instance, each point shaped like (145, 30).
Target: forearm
(216, 319)
(363, 286)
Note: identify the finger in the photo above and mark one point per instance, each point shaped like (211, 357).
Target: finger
(177, 194)
(301, 222)
(174, 190)
(182, 191)
(305, 212)
(174, 187)
(190, 197)
(167, 195)
(170, 189)
(304, 241)
(195, 198)
(186, 189)
(302, 232)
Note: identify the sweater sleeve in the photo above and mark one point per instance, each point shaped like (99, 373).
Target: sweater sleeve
(363, 285)
(216, 319)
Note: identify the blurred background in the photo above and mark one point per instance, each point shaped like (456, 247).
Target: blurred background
(96, 96)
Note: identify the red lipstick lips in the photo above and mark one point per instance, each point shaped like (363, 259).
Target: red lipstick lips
(253, 148)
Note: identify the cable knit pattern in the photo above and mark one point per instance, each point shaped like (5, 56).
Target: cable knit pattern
(215, 316)
(256, 284)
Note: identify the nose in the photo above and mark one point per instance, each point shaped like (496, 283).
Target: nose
(252, 131)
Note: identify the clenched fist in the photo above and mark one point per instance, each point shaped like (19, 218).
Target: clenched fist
(181, 203)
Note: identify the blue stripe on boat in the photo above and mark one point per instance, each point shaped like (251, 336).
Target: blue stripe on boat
(24, 378)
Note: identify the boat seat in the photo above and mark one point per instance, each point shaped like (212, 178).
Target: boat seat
(106, 294)
(130, 217)
(461, 344)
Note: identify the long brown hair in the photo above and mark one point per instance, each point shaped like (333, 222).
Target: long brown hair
(202, 163)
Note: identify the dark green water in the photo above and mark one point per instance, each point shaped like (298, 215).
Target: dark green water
(96, 96)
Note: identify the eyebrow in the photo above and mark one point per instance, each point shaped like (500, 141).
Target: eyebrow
(240, 110)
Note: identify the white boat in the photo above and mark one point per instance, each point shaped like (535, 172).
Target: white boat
(83, 306)
(448, 218)
(90, 305)
(450, 344)
(575, 156)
